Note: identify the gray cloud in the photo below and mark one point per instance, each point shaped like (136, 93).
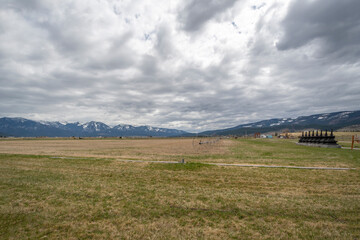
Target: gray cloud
(164, 45)
(331, 25)
(149, 65)
(196, 13)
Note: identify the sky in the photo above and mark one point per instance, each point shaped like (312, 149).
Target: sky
(193, 65)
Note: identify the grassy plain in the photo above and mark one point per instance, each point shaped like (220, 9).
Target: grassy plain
(92, 195)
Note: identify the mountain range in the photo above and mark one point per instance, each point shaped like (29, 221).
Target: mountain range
(21, 127)
(335, 120)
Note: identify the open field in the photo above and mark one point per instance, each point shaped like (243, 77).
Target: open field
(144, 149)
(93, 195)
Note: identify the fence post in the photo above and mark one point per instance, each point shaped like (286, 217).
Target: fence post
(352, 142)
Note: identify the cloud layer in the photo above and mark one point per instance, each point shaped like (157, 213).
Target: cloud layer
(191, 65)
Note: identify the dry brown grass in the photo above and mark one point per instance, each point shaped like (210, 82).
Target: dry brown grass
(142, 149)
(243, 151)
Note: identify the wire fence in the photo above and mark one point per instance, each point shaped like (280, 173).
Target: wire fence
(344, 138)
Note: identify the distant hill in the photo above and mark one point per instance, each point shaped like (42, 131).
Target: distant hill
(352, 128)
(21, 127)
(335, 120)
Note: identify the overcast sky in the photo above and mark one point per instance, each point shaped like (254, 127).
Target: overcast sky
(193, 65)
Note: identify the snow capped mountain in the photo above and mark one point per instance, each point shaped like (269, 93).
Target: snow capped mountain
(95, 126)
(334, 120)
(19, 119)
(54, 124)
(327, 118)
(28, 128)
(123, 127)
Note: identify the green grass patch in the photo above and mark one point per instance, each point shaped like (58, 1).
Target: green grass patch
(189, 166)
(285, 152)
